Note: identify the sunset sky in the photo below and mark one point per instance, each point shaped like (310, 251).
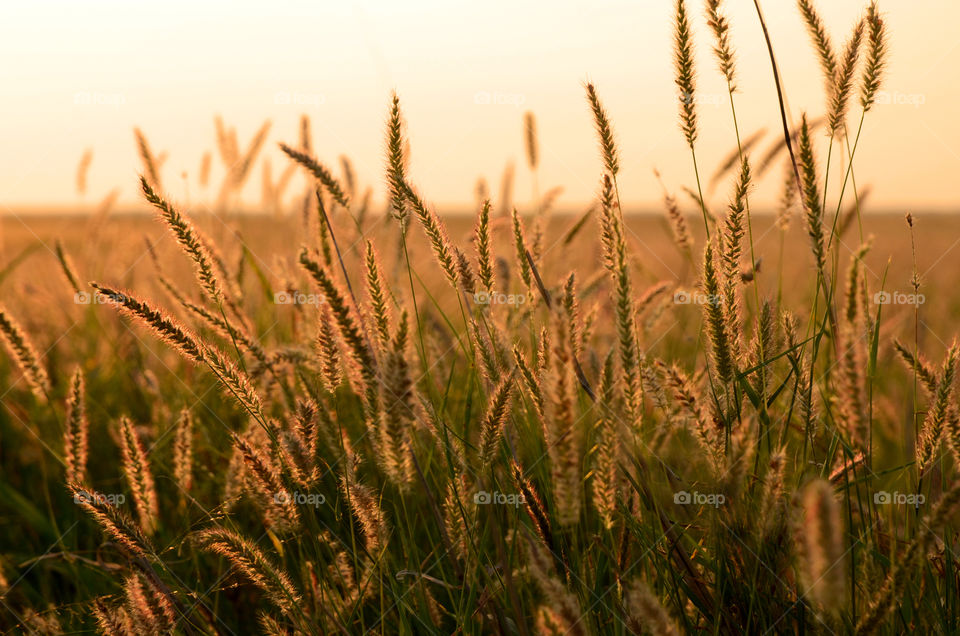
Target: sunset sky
(82, 75)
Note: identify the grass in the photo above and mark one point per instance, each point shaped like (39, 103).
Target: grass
(415, 424)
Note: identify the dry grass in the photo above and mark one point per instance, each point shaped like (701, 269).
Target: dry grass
(394, 431)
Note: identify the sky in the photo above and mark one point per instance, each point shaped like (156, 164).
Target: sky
(77, 76)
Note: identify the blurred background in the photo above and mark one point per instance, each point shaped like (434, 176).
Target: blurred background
(78, 77)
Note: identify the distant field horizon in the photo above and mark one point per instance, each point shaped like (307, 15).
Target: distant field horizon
(8, 213)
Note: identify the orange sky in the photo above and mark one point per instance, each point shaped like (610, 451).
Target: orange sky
(82, 75)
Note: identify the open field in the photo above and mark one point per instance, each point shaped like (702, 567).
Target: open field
(341, 420)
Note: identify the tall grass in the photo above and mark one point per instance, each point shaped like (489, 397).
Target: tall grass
(435, 439)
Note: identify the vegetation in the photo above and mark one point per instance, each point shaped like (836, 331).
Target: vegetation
(385, 430)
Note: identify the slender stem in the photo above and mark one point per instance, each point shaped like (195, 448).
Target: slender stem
(703, 205)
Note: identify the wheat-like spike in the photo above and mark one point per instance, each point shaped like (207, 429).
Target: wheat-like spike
(491, 427)
(489, 363)
(605, 479)
(136, 468)
(771, 499)
(189, 239)
(226, 142)
(139, 608)
(349, 176)
(465, 273)
(377, 290)
(765, 339)
(206, 162)
(821, 41)
(113, 520)
(267, 196)
(319, 171)
(678, 224)
(615, 248)
(571, 307)
(645, 612)
(542, 354)
(149, 161)
(331, 372)
(683, 63)
(733, 227)
(307, 430)
(885, 600)
(820, 535)
(396, 166)
(928, 441)
(520, 243)
(851, 394)
(394, 443)
(341, 570)
(112, 620)
(349, 331)
(21, 349)
(811, 196)
(562, 613)
(530, 138)
(83, 167)
(788, 197)
(455, 523)
(926, 374)
(721, 31)
(164, 327)
(266, 474)
(366, 508)
(435, 230)
(562, 436)
(530, 380)
(732, 238)
(76, 431)
(686, 393)
(183, 451)
(241, 170)
(608, 144)
(244, 555)
(149, 606)
(843, 83)
(533, 505)
(876, 57)
(162, 604)
(66, 266)
(235, 381)
(483, 245)
(717, 325)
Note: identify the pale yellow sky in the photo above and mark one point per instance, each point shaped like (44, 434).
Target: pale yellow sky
(75, 75)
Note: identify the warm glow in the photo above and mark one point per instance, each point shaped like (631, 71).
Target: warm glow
(82, 75)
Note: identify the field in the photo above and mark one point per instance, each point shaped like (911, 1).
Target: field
(351, 420)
